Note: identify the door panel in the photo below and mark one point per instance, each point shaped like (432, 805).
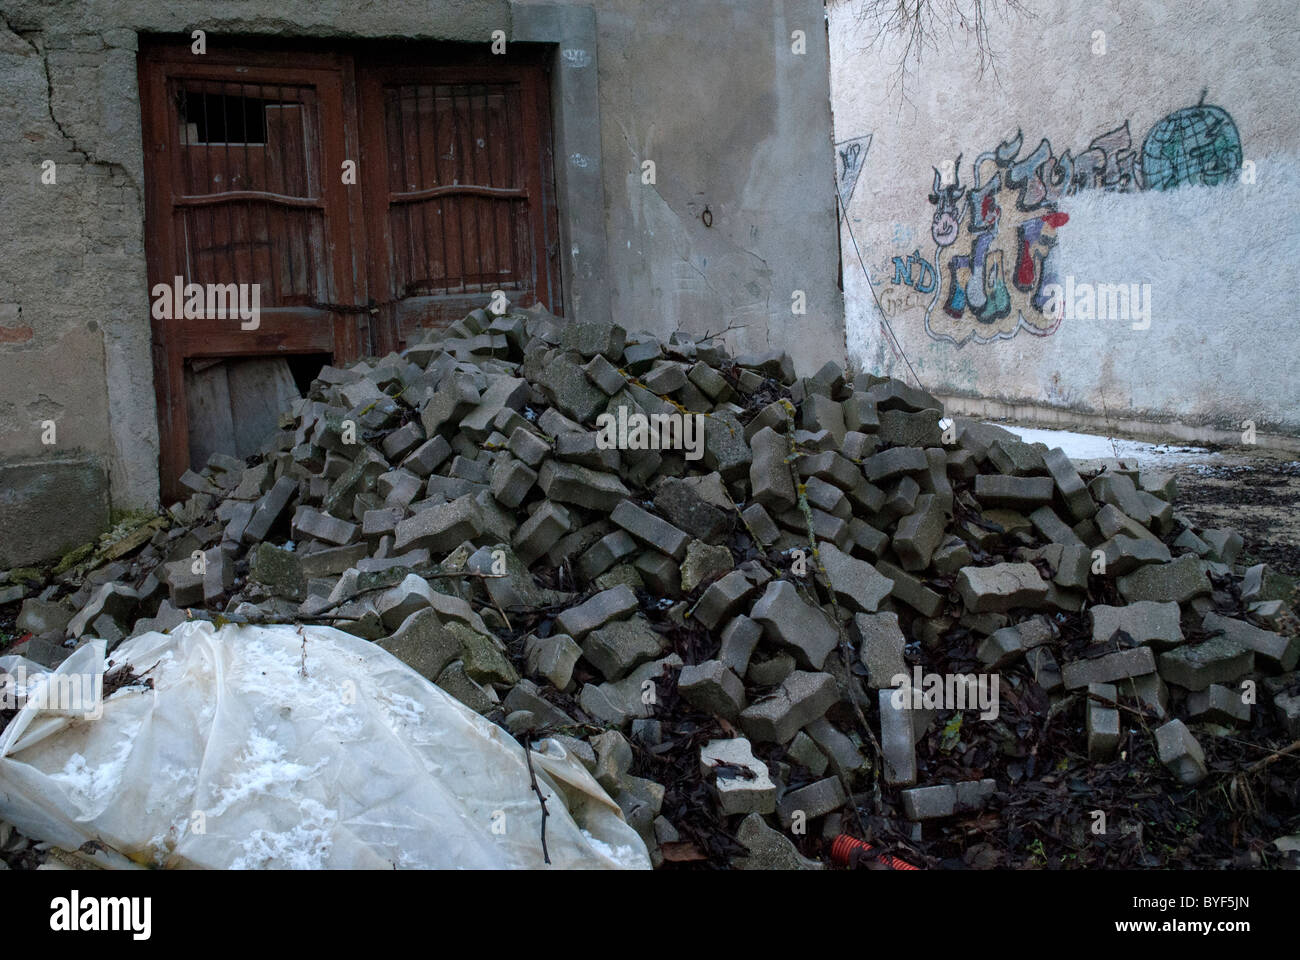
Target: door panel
(462, 209)
(241, 189)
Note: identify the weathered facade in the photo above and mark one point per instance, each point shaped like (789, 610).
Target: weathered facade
(1140, 156)
(726, 100)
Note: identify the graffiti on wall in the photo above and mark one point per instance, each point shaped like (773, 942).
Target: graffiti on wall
(851, 156)
(1198, 145)
(995, 237)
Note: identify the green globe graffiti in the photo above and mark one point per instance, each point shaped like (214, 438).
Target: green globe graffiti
(1197, 144)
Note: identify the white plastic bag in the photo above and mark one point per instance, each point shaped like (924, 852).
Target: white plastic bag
(293, 747)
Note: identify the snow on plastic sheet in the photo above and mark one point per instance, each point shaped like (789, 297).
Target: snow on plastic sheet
(297, 747)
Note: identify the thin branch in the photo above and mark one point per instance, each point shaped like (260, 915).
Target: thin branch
(1259, 765)
(727, 329)
(528, 755)
(930, 25)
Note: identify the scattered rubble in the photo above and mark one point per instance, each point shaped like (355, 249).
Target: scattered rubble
(737, 644)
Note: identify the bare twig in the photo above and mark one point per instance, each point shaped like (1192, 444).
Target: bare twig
(499, 610)
(1259, 765)
(528, 755)
(927, 24)
(727, 329)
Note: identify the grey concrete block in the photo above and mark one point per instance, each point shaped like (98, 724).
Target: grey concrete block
(511, 482)
(768, 849)
(1196, 666)
(897, 737)
(1125, 554)
(801, 698)
(794, 625)
(997, 490)
(929, 803)
(712, 686)
(723, 598)
(1109, 667)
(845, 758)
(974, 794)
(1218, 704)
(703, 561)
(919, 533)
(428, 456)
(440, 528)
(856, 584)
(651, 530)
(880, 648)
(739, 639)
(605, 606)
(604, 375)
(1180, 752)
(769, 474)
(1077, 499)
(1000, 587)
(116, 601)
(423, 644)
(1103, 723)
(741, 780)
(269, 509)
(911, 590)
(1274, 650)
(552, 657)
(759, 522)
(895, 462)
(541, 531)
(1146, 622)
(38, 616)
(620, 646)
(807, 754)
(813, 801)
(604, 553)
(590, 489)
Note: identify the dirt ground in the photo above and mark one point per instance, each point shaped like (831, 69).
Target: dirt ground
(1255, 493)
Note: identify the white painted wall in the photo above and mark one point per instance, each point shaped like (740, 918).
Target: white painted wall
(1223, 344)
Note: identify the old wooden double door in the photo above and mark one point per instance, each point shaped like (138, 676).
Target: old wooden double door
(367, 192)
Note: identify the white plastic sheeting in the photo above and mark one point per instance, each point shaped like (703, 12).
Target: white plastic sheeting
(290, 747)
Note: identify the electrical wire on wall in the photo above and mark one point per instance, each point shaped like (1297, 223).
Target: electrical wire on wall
(872, 287)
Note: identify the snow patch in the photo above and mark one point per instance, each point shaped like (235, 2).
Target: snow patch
(1087, 446)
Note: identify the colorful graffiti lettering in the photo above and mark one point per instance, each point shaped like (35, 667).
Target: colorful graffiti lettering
(1001, 270)
(925, 279)
(1010, 217)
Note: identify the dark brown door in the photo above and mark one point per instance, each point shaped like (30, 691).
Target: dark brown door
(360, 217)
(462, 206)
(242, 163)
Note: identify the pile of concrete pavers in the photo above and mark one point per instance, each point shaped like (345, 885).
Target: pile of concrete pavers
(785, 579)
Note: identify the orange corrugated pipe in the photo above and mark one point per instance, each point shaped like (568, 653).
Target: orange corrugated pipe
(844, 845)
